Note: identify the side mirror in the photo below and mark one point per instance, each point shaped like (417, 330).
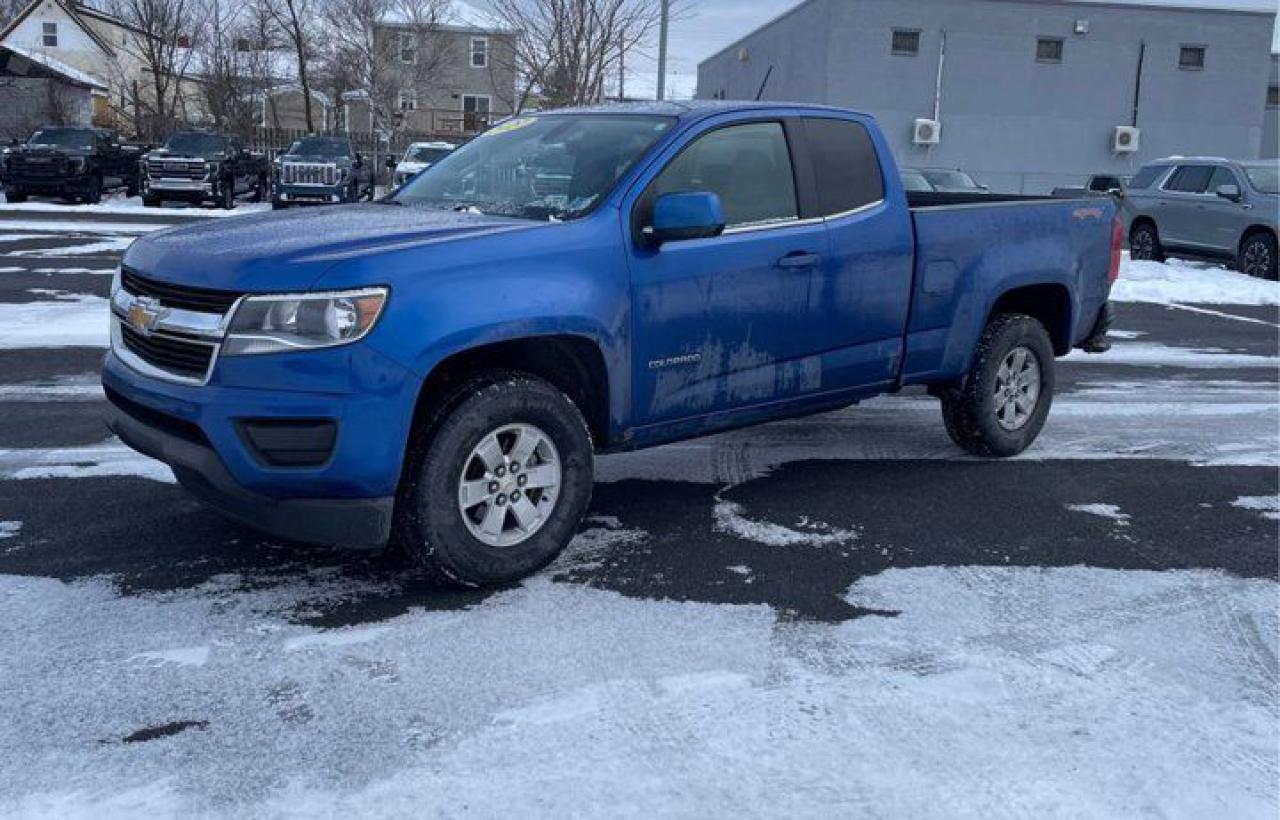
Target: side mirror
(1231, 192)
(681, 216)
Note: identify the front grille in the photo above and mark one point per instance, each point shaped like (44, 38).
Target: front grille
(308, 173)
(182, 297)
(174, 355)
(177, 168)
(40, 167)
(173, 425)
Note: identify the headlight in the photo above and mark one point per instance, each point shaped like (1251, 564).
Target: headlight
(275, 324)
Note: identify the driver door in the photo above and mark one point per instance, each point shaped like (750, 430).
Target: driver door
(720, 323)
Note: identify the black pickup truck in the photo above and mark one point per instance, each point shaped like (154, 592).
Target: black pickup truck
(199, 167)
(75, 163)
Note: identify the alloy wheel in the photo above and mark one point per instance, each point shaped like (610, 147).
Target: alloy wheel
(509, 485)
(1017, 388)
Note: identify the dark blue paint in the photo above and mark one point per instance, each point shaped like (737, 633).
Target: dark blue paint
(696, 335)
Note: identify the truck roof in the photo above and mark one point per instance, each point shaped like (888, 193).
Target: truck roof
(692, 109)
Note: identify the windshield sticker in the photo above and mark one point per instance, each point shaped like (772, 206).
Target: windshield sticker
(509, 126)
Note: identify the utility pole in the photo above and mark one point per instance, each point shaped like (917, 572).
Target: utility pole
(622, 66)
(662, 49)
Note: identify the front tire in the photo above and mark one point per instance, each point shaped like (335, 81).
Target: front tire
(261, 189)
(16, 197)
(227, 195)
(150, 201)
(1002, 405)
(1258, 256)
(93, 195)
(499, 484)
(1144, 243)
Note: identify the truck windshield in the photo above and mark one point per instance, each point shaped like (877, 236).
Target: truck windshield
(548, 167)
(1265, 178)
(76, 138)
(423, 153)
(952, 182)
(321, 147)
(196, 144)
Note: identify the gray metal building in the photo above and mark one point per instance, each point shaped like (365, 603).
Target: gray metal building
(1029, 94)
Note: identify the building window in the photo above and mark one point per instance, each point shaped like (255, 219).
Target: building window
(1048, 50)
(242, 44)
(1273, 96)
(184, 41)
(475, 111)
(479, 52)
(408, 100)
(1191, 58)
(408, 48)
(49, 34)
(905, 41)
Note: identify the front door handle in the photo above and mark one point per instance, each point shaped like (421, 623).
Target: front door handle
(799, 259)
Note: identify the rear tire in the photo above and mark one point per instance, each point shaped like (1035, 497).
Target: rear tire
(227, 195)
(521, 519)
(150, 201)
(16, 197)
(1144, 243)
(1002, 405)
(93, 195)
(1258, 256)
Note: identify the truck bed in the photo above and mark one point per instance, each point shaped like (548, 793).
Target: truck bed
(972, 247)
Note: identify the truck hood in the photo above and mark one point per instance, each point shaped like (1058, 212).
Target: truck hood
(291, 250)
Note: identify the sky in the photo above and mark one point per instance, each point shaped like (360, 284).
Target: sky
(710, 25)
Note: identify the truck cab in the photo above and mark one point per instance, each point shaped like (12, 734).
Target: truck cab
(438, 370)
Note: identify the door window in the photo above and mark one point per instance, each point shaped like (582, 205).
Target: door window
(1190, 179)
(845, 165)
(1222, 176)
(747, 166)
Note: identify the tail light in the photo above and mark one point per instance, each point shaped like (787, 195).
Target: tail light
(1117, 244)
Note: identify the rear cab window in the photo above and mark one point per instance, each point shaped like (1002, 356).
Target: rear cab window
(846, 170)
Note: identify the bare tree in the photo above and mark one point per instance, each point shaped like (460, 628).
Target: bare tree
(168, 30)
(380, 47)
(567, 49)
(298, 22)
(237, 68)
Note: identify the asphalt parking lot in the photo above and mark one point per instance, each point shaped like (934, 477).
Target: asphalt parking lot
(841, 614)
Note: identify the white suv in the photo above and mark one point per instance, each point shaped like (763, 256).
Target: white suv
(418, 157)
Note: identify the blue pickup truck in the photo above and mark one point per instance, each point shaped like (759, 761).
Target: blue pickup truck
(437, 370)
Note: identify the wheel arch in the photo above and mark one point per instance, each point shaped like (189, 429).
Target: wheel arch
(1048, 303)
(1253, 230)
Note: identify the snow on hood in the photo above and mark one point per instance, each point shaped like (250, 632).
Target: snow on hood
(291, 250)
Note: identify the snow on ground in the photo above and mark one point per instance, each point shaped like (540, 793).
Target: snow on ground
(10, 529)
(1151, 353)
(97, 248)
(119, 204)
(67, 321)
(78, 227)
(1110, 511)
(993, 692)
(1268, 505)
(729, 518)
(1180, 280)
(111, 458)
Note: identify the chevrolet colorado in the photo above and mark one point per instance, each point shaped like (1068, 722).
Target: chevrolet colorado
(438, 369)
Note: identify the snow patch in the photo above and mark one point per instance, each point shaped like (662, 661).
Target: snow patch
(79, 227)
(730, 519)
(10, 529)
(108, 459)
(132, 206)
(185, 656)
(1103, 510)
(1149, 354)
(72, 321)
(335, 638)
(1268, 505)
(99, 248)
(1179, 280)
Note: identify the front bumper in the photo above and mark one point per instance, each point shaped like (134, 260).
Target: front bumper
(310, 194)
(17, 183)
(344, 499)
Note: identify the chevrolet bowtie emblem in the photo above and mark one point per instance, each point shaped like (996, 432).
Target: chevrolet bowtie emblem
(144, 314)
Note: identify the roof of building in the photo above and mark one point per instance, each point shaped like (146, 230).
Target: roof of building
(67, 72)
(77, 12)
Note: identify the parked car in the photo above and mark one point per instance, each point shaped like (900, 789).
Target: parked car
(953, 181)
(320, 171)
(201, 166)
(914, 181)
(418, 157)
(75, 163)
(1096, 185)
(438, 368)
(1206, 207)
